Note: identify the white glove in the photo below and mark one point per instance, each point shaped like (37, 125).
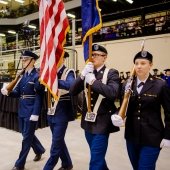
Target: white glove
(34, 118)
(90, 78)
(117, 120)
(89, 68)
(4, 91)
(165, 143)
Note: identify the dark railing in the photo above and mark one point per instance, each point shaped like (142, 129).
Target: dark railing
(134, 28)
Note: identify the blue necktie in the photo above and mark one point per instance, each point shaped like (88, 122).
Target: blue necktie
(141, 84)
(26, 74)
(95, 72)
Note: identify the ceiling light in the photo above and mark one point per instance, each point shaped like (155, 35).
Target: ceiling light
(20, 1)
(2, 35)
(3, 2)
(114, 0)
(11, 32)
(130, 1)
(32, 26)
(71, 15)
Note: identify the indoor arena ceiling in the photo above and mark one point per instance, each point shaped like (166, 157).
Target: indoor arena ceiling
(122, 8)
(107, 6)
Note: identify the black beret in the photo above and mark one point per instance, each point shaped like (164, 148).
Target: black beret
(143, 55)
(66, 54)
(97, 47)
(27, 53)
(168, 69)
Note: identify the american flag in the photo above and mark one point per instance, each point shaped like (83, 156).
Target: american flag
(54, 26)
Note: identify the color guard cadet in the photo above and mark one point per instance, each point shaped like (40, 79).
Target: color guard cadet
(30, 93)
(59, 118)
(104, 90)
(145, 132)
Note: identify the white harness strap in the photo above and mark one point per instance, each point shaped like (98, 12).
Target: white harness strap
(99, 100)
(63, 77)
(61, 91)
(100, 97)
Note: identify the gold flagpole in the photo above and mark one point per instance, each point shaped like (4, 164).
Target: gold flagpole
(89, 86)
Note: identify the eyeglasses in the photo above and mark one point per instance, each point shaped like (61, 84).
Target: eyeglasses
(97, 55)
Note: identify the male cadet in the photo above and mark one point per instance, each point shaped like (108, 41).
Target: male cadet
(97, 124)
(58, 120)
(30, 94)
(155, 72)
(166, 77)
(127, 75)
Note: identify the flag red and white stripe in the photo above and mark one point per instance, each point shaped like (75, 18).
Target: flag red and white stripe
(54, 26)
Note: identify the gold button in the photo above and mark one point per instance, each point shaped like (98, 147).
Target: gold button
(138, 111)
(91, 104)
(138, 118)
(139, 97)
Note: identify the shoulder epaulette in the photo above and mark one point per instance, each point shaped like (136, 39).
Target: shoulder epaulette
(159, 78)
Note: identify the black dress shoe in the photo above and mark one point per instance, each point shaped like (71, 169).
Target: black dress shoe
(37, 157)
(66, 168)
(17, 168)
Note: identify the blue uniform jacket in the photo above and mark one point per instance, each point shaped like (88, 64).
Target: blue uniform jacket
(144, 123)
(110, 91)
(167, 79)
(64, 110)
(29, 85)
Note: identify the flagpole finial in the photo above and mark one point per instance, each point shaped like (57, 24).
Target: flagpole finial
(143, 45)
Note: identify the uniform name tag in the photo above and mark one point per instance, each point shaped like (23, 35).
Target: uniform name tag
(90, 116)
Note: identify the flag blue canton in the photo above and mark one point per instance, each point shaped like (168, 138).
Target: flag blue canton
(91, 22)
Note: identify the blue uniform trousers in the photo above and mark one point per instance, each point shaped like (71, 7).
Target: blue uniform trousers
(98, 144)
(58, 147)
(27, 128)
(142, 157)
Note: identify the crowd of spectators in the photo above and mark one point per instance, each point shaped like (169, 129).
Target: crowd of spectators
(119, 30)
(155, 72)
(122, 28)
(6, 12)
(132, 28)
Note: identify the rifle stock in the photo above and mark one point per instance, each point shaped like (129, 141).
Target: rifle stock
(14, 82)
(125, 102)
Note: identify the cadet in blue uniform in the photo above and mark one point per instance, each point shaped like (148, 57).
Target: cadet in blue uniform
(166, 77)
(59, 120)
(30, 93)
(104, 90)
(145, 132)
